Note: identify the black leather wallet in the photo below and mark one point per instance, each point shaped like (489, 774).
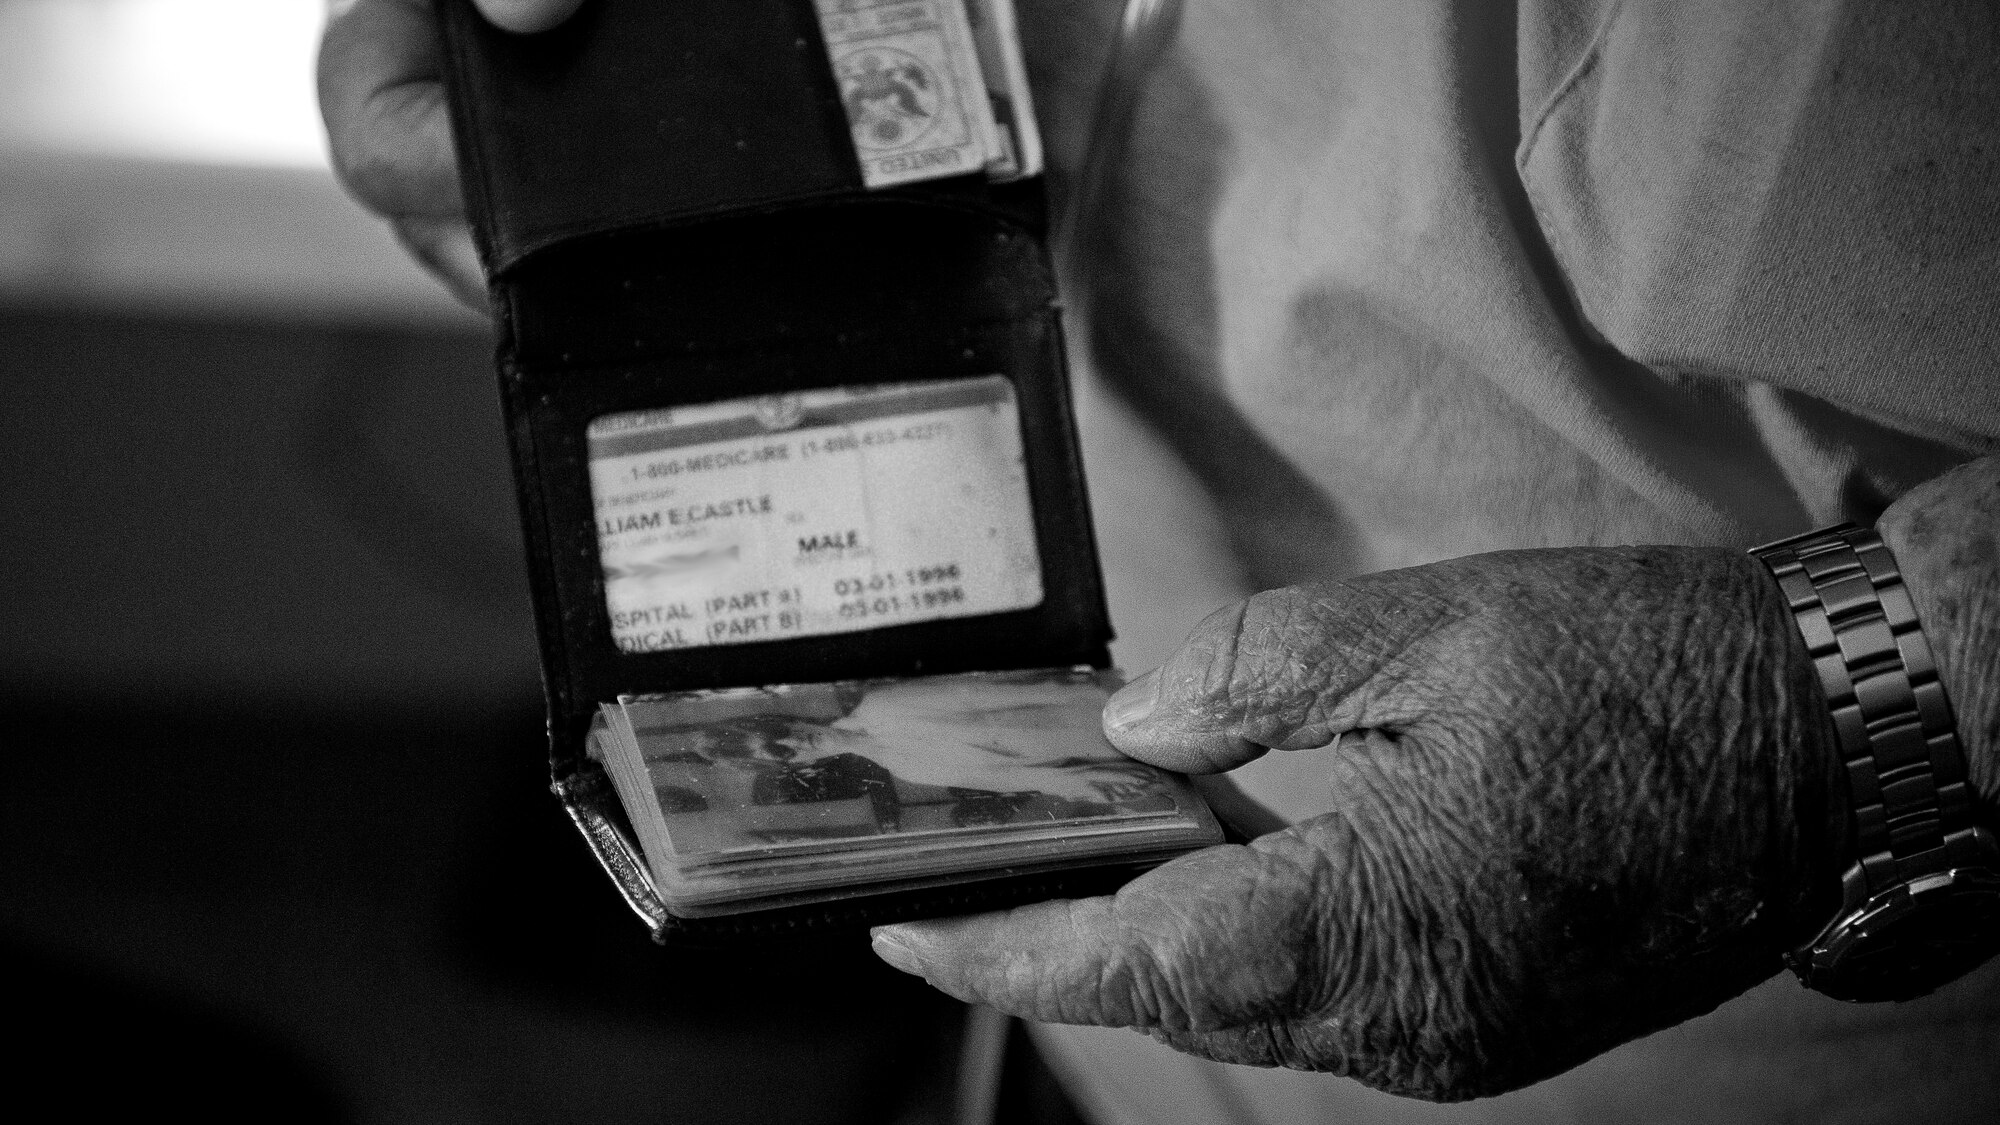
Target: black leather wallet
(670, 211)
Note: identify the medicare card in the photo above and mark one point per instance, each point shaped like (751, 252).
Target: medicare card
(814, 512)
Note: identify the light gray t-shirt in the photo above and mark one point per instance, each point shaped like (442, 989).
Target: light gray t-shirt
(1374, 284)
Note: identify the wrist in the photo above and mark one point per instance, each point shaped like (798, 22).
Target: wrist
(1920, 889)
(1945, 536)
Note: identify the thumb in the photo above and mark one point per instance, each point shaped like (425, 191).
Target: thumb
(526, 16)
(1279, 671)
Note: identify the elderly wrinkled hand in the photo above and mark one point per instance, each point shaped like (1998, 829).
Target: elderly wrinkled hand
(387, 128)
(1572, 796)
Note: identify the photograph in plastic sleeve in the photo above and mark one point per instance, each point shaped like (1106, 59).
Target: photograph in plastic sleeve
(827, 767)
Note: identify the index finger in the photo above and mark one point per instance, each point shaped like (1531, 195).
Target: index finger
(1211, 940)
(383, 104)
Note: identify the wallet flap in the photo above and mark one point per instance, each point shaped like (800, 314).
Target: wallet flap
(631, 114)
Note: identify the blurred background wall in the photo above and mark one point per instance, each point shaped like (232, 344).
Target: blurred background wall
(276, 837)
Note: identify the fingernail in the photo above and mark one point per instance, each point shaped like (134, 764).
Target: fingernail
(1133, 702)
(895, 952)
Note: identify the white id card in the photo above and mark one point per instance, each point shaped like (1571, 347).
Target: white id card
(815, 512)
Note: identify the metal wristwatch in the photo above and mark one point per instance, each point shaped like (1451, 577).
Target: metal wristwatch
(1920, 900)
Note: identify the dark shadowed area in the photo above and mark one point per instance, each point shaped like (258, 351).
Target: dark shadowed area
(281, 840)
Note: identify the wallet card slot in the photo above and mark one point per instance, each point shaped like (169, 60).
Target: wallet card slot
(633, 112)
(552, 408)
(593, 809)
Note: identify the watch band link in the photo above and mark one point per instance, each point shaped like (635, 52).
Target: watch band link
(1913, 808)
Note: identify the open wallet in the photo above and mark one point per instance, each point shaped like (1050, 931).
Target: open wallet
(822, 625)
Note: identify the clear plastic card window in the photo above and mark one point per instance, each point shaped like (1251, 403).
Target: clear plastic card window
(813, 512)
